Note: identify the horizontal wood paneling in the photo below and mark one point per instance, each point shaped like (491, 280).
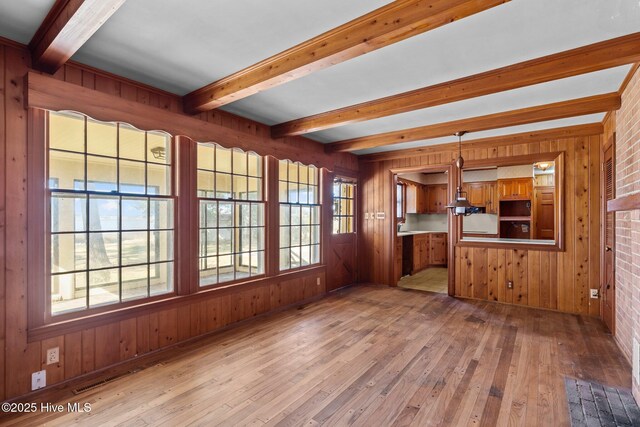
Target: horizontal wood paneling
(98, 346)
(552, 280)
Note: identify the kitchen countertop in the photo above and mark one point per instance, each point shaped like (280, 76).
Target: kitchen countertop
(411, 233)
(501, 240)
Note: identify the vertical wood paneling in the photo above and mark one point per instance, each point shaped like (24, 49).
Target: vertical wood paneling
(107, 347)
(520, 277)
(533, 278)
(55, 371)
(91, 349)
(581, 261)
(21, 357)
(595, 244)
(480, 278)
(128, 336)
(88, 350)
(492, 274)
(553, 280)
(72, 355)
(3, 164)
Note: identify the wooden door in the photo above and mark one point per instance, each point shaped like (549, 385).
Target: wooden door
(417, 266)
(412, 198)
(515, 188)
(424, 252)
(341, 256)
(505, 189)
(441, 198)
(544, 213)
(432, 199)
(438, 249)
(607, 251)
(523, 188)
(476, 194)
(492, 197)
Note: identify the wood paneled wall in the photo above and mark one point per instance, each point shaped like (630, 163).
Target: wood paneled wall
(94, 348)
(554, 280)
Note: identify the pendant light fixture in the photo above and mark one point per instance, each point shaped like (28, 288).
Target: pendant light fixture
(460, 206)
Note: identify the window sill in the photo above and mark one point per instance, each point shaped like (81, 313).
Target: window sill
(80, 323)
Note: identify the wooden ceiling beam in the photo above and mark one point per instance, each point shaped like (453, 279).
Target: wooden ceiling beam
(599, 56)
(540, 113)
(493, 141)
(68, 25)
(382, 27)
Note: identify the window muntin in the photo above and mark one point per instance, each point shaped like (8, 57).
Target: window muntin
(299, 215)
(231, 212)
(344, 194)
(111, 213)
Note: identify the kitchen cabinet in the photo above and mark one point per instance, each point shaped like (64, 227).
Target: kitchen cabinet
(416, 198)
(476, 193)
(436, 198)
(491, 194)
(482, 194)
(438, 249)
(515, 188)
(420, 252)
(398, 259)
(416, 252)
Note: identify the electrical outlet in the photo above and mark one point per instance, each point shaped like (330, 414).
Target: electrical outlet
(510, 284)
(595, 293)
(38, 380)
(318, 281)
(53, 355)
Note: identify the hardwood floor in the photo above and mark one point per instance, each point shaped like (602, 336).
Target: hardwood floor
(432, 279)
(367, 355)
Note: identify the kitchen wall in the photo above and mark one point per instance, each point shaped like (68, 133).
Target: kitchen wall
(425, 222)
(479, 223)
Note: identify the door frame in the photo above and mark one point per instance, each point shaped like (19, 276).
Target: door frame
(452, 223)
(611, 144)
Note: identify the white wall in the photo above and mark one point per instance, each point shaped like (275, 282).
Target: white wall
(426, 222)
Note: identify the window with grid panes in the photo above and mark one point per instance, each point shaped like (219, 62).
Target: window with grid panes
(111, 230)
(231, 210)
(343, 206)
(299, 215)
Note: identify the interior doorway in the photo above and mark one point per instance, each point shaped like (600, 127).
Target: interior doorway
(422, 258)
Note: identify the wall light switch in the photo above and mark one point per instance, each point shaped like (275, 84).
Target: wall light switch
(38, 380)
(318, 281)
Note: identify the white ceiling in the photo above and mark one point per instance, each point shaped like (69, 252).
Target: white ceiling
(19, 19)
(180, 46)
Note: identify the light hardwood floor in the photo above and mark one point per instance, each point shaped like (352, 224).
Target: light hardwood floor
(368, 355)
(432, 279)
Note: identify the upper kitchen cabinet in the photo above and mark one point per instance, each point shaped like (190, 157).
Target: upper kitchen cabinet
(437, 198)
(416, 198)
(515, 188)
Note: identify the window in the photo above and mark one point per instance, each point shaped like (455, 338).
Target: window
(400, 201)
(231, 210)
(343, 206)
(111, 213)
(299, 215)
